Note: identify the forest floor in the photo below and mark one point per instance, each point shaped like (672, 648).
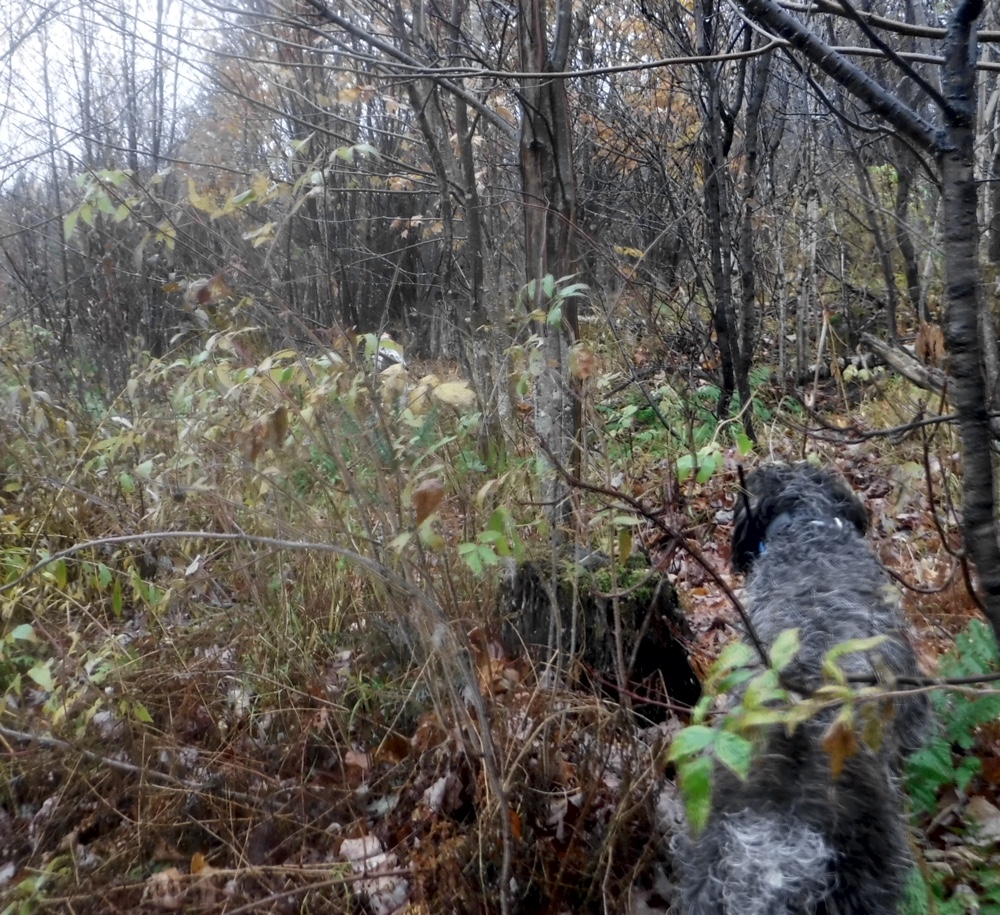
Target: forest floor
(205, 752)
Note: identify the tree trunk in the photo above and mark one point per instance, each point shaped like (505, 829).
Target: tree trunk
(748, 274)
(717, 218)
(962, 325)
(548, 187)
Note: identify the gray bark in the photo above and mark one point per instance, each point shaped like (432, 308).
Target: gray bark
(961, 242)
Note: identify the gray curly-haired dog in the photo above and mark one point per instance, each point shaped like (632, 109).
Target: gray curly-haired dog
(793, 839)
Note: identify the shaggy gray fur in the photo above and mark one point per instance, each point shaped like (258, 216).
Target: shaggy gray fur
(793, 840)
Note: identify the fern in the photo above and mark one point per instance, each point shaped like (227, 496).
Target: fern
(942, 763)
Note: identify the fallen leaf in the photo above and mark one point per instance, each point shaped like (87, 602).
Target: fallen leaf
(985, 821)
(166, 890)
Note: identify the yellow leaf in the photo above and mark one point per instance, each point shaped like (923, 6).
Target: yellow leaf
(456, 394)
(419, 400)
(200, 201)
(261, 185)
(167, 233)
(628, 252)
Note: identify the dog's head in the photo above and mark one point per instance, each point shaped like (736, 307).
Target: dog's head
(775, 493)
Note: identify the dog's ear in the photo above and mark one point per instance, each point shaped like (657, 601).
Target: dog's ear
(750, 520)
(762, 497)
(748, 535)
(854, 511)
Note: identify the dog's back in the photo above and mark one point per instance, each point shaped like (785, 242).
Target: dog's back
(793, 839)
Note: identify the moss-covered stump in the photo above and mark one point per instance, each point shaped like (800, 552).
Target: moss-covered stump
(573, 609)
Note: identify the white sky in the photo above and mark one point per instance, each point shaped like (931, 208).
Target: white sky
(34, 33)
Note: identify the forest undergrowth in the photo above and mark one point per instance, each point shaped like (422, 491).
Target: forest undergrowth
(251, 646)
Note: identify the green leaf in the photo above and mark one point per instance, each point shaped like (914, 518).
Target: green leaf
(23, 633)
(576, 289)
(115, 176)
(704, 705)
(709, 462)
(300, 145)
(764, 688)
(400, 541)
(366, 149)
(967, 769)
(785, 647)
(144, 470)
(696, 786)
(105, 205)
(685, 466)
(127, 483)
(927, 771)
(69, 224)
(754, 719)
(735, 654)
(103, 575)
(554, 318)
(833, 693)
(548, 285)
(934, 762)
(470, 554)
(734, 752)
(87, 214)
(141, 712)
(852, 645)
(690, 741)
(488, 555)
(731, 679)
(832, 669)
(502, 522)
(41, 673)
(116, 599)
(428, 536)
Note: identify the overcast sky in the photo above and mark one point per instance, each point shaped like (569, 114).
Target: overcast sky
(35, 34)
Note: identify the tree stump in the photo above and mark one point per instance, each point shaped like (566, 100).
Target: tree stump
(571, 617)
